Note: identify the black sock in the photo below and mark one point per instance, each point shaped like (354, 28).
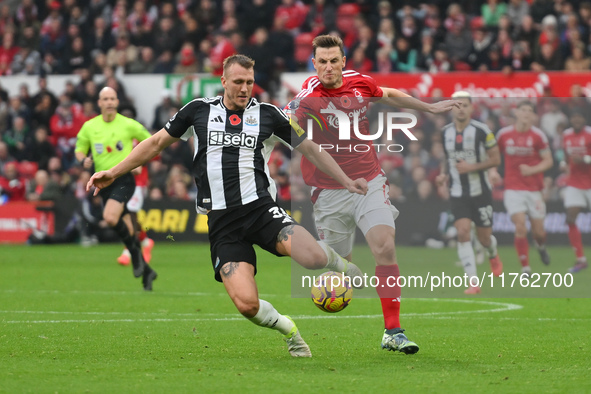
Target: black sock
(131, 242)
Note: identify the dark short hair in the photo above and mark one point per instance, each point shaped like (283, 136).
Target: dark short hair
(528, 103)
(328, 41)
(242, 60)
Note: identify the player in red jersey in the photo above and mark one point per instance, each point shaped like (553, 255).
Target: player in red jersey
(527, 155)
(577, 194)
(336, 214)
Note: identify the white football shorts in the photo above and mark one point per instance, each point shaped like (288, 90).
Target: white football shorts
(337, 213)
(530, 202)
(574, 197)
(137, 200)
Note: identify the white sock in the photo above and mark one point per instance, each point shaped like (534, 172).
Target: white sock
(126, 253)
(538, 246)
(146, 241)
(466, 255)
(492, 249)
(335, 261)
(267, 316)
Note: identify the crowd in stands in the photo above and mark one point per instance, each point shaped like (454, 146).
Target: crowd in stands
(108, 39)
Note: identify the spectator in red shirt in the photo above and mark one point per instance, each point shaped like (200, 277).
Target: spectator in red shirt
(222, 49)
(7, 52)
(295, 12)
(11, 184)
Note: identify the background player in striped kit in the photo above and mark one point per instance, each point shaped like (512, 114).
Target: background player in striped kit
(234, 136)
(527, 155)
(471, 149)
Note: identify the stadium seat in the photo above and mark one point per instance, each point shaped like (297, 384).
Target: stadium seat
(303, 47)
(346, 14)
(27, 169)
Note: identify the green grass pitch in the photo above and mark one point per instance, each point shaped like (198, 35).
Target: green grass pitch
(72, 320)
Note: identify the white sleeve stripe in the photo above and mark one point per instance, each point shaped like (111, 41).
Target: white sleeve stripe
(283, 114)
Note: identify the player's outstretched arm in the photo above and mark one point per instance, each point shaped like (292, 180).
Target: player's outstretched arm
(325, 163)
(396, 98)
(141, 154)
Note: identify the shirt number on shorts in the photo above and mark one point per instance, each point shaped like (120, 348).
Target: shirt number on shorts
(279, 213)
(486, 214)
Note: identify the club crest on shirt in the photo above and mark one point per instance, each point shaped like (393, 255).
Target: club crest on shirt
(99, 148)
(251, 121)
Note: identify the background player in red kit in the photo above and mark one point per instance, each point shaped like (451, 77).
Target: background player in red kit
(527, 155)
(336, 214)
(577, 194)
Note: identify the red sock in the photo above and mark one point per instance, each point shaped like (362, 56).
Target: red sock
(142, 235)
(574, 235)
(522, 247)
(389, 296)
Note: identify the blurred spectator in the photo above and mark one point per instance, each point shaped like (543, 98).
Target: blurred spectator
(410, 30)
(122, 47)
(7, 53)
(492, 11)
(456, 19)
(26, 12)
(548, 59)
(458, 42)
(295, 13)
(5, 156)
(440, 61)
(139, 24)
(221, 50)
(165, 63)
(16, 137)
(481, 43)
(119, 18)
(527, 32)
(187, 61)
(520, 58)
(404, 58)
(257, 13)
(18, 108)
(11, 184)
(179, 155)
(321, 17)
(193, 32)
(25, 96)
(100, 38)
(43, 188)
(578, 61)
(203, 56)
(27, 62)
(44, 91)
(517, 10)
(144, 64)
(383, 62)
(167, 37)
(283, 46)
(38, 149)
(53, 41)
(259, 51)
(386, 33)
(76, 57)
(359, 62)
(208, 15)
(539, 9)
(64, 126)
(552, 116)
(163, 110)
(43, 111)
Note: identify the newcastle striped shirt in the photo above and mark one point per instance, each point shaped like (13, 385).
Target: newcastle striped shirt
(232, 149)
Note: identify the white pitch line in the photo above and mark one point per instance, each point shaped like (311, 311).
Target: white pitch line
(501, 307)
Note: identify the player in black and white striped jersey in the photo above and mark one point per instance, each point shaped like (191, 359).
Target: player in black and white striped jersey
(234, 136)
(471, 149)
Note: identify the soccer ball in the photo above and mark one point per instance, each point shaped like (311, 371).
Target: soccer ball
(332, 292)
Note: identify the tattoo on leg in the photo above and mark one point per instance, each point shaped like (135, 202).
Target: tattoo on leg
(285, 233)
(229, 268)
